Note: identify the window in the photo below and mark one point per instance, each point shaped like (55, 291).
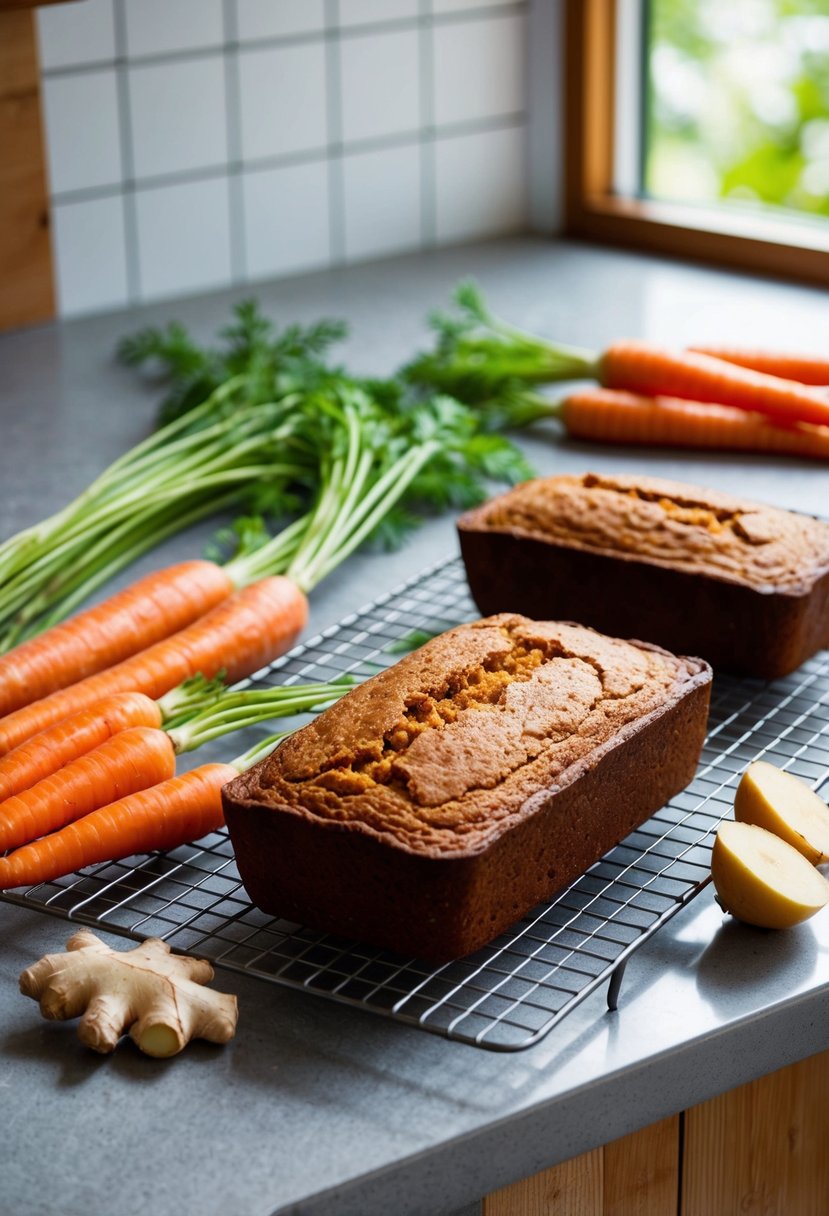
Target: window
(700, 128)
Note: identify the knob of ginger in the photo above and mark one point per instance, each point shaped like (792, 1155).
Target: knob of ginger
(155, 996)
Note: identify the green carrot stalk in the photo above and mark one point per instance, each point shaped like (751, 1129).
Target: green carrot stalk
(477, 355)
(259, 751)
(354, 461)
(49, 575)
(240, 709)
(229, 422)
(380, 459)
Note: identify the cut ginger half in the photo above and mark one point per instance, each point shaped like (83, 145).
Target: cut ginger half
(762, 880)
(783, 804)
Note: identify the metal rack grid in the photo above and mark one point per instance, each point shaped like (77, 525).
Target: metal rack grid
(509, 995)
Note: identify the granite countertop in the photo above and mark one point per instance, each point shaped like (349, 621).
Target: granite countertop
(316, 1108)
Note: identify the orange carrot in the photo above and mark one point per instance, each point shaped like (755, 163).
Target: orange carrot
(151, 609)
(176, 811)
(237, 637)
(612, 416)
(51, 749)
(807, 369)
(131, 760)
(642, 368)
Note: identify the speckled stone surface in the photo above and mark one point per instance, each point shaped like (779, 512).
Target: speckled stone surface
(322, 1110)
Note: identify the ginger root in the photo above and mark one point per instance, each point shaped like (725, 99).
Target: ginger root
(154, 995)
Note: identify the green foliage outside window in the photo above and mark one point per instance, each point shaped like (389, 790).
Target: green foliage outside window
(738, 103)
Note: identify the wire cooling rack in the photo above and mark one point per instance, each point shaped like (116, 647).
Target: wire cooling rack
(509, 995)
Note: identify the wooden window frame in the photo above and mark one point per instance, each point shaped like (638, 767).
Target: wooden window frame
(593, 211)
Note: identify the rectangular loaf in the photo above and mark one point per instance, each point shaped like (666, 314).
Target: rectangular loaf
(744, 585)
(435, 804)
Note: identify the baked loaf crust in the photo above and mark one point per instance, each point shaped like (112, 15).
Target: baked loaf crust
(744, 585)
(435, 804)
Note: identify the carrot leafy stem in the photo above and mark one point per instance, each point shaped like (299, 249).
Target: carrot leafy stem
(384, 464)
(250, 345)
(481, 360)
(239, 709)
(259, 424)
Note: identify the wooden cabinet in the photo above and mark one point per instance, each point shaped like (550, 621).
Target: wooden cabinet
(7, 5)
(760, 1150)
(26, 290)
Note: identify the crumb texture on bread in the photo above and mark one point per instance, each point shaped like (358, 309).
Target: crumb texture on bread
(443, 751)
(685, 527)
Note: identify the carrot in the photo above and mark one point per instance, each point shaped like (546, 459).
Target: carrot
(151, 609)
(237, 637)
(807, 369)
(642, 368)
(612, 416)
(131, 760)
(51, 749)
(195, 713)
(178, 810)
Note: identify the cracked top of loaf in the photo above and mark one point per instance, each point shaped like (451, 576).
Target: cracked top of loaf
(443, 750)
(668, 523)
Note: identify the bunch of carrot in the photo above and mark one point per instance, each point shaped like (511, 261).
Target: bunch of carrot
(114, 680)
(204, 463)
(234, 433)
(87, 772)
(702, 397)
(102, 783)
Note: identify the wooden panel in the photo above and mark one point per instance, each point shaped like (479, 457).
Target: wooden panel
(761, 1150)
(26, 289)
(574, 1188)
(635, 1176)
(641, 1172)
(6, 5)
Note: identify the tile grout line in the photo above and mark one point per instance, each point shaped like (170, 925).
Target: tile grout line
(233, 119)
(131, 233)
(270, 42)
(380, 143)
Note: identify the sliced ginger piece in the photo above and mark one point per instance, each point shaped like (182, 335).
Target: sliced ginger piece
(762, 880)
(783, 804)
(154, 995)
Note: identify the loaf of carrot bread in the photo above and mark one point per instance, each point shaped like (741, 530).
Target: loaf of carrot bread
(744, 585)
(435, 804)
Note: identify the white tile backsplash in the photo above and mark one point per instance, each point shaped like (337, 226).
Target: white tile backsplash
(461, 6)
(361, 12)
(479, 69)
(283, 100)
(73, 34)
(178, 116)
(382, 202)
(278, 18)
(183, 238)
(198, 143)
(286, 219)
(91, 255)
(84, 146)
(481, 184)
(156, 27)
(380, 84)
